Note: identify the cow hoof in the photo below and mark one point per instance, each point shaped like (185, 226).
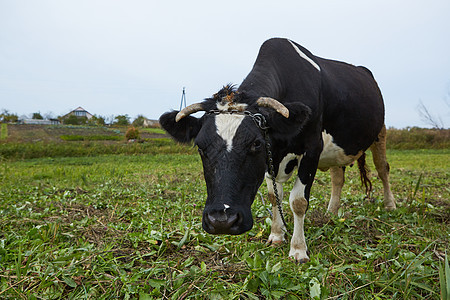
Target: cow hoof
(275, 243)
(390, 207)
(299, 256)
(275, 239)
(300, 261)
(333, 211)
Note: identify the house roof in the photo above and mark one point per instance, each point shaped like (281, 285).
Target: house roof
(79, 109)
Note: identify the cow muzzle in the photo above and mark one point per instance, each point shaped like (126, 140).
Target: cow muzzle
(225, 220)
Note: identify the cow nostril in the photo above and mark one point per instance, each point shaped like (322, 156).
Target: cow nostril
(233, 219)
(221, 220)
(217, 217)
(211, 219)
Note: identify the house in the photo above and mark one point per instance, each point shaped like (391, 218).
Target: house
(151, 123)
(79, 112)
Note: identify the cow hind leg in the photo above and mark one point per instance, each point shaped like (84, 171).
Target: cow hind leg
(276, 236)
(378, 149)
(337, 182)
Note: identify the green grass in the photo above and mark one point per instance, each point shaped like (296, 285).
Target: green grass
(4, 131)
(129, 226)
(153, 130)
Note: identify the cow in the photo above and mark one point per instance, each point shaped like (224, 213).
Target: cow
(303, 111)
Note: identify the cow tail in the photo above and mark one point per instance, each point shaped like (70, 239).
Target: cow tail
(363, 173)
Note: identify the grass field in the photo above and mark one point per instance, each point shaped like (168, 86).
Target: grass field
(3, 131)
(129, 226)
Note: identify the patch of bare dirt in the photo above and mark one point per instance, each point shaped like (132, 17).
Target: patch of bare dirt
(318, 217)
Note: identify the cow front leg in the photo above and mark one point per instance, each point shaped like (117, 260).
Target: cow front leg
(337, 182)
(276, 236)
(299, 204)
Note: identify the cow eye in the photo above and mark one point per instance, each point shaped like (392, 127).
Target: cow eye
(256, 146)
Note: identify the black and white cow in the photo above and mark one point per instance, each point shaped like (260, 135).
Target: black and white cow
(321, 114)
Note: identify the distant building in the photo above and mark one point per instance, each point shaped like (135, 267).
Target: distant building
(79, 112)
(151, 123)
(40, 122)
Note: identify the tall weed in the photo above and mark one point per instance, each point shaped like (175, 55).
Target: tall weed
(444, 279)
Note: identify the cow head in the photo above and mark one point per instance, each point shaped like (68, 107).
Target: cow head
(232, 148)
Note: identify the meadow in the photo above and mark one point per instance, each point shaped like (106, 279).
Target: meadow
(81, 222)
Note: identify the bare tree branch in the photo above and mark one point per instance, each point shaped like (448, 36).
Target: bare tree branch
(428, 118)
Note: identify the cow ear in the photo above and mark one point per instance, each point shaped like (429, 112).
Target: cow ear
(183, 131)
(285, 128)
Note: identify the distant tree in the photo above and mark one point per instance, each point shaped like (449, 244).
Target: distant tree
(74, 120)
(122, 120)
(7, 117)
(37, 116)
(3, 114)
(97, 121)
(431, 119)
(100, 120)
(109, 119)
(139, 121)
(428, 118)
(11, 118)
(49, 115)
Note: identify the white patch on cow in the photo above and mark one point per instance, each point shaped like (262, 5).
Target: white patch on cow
(304, 56)
(282, 176)
(227, 125)
(277, 231)
(298, 191)
(332, 155)
(226, 206)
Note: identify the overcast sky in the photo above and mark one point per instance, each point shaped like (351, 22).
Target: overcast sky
(134, 57)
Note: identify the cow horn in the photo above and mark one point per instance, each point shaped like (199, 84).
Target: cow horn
(193, 108)
(276, 105)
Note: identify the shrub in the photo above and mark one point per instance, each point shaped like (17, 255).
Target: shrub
(139, 121)
(97, 121)
(132, 133)
(37, 116)
(74, 120)
(418, 138)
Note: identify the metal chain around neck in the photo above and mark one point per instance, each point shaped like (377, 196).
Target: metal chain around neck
(271, 170)
(260, 121)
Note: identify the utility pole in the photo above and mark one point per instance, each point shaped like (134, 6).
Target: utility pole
(183, 98)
